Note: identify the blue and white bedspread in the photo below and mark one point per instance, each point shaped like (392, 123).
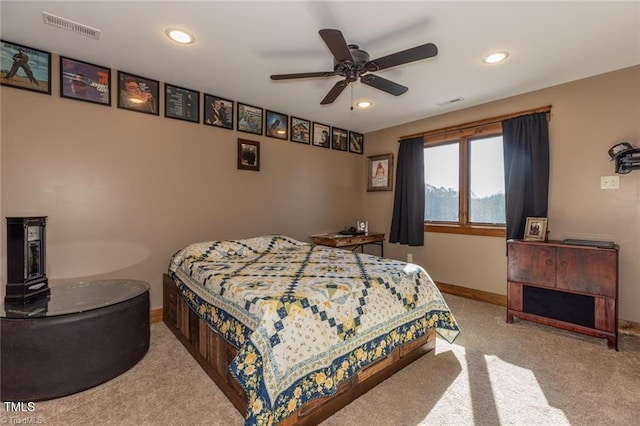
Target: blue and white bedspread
(304, 317)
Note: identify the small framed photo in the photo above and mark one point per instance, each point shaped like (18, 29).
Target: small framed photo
(137, 93)
(356, 142)
(380, 172)
(181, 103)
(277, 125)
(25, 68)
(249, 119)
(84, 81)
(300, 130)
(248, 155)
(321, 135)
(218, 112)
(339, 139)
(535, 229)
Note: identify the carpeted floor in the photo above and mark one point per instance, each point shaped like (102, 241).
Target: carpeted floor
(493, 374)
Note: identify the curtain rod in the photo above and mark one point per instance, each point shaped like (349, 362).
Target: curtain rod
(479, 123)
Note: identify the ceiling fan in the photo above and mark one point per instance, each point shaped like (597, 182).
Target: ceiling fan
(352, 63)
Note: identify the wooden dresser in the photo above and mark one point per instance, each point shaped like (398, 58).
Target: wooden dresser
(573, 287)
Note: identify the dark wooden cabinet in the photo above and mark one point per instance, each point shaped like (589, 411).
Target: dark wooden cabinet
(26, 260)
(573, 287)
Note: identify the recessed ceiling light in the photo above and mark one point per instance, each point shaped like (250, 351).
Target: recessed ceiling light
(364, 104)
(180, 36)
(495, 57)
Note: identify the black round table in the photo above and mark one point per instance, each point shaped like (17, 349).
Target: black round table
(82, 335)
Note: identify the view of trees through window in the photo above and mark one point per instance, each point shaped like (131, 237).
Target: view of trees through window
(483, 190)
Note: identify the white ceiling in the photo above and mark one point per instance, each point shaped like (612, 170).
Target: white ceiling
(239, 44)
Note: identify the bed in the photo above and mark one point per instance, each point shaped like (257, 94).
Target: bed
(290, 331)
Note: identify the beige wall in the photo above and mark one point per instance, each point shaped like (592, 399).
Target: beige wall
(587, 117)
(123, 190)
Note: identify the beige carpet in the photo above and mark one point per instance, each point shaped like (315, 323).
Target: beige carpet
(493, 374)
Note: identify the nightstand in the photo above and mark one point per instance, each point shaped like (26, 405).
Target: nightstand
(352, 240)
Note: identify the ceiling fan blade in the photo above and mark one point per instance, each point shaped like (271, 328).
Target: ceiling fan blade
(337, 45)
(334, 92)
(410, 55)
(303, 75)
(383, 84)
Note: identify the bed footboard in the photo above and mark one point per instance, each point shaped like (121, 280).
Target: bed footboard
(214, 355)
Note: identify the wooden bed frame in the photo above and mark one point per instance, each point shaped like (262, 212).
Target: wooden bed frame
(214, 355)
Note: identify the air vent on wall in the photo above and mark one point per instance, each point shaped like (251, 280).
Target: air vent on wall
(66, 24)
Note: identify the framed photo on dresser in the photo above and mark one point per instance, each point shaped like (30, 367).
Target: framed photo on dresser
(535, 229)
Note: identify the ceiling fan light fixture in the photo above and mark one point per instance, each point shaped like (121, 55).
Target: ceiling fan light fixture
(180, 36)
(364, 104)
(495, 57)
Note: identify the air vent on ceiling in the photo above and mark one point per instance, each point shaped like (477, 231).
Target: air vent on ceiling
(451, 101)
(66, 24)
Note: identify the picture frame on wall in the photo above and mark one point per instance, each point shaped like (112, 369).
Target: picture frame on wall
(181, 103)
(321, 135)
(535, 229)
(86, 82)
(300, 130)
(136, 93)
(248, 155)
(249, 119)
(356, 142)
(339, 138)
(25, 67)
(277, 125)
(218, 112)
(380, 172)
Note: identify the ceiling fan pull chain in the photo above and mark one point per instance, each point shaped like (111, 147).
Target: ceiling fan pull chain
(352, 97)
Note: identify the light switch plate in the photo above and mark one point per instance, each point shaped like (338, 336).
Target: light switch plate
(609, 182)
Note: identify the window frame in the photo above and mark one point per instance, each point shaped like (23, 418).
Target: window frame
(463, 136)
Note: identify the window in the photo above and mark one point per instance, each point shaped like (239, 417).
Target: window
(464, 182)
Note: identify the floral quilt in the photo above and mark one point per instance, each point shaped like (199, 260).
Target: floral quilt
(305, 317)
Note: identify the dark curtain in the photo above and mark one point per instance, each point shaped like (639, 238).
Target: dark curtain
(407, 224)
(526, 168)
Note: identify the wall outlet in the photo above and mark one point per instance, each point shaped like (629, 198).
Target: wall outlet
(409, 258)
(609, 182)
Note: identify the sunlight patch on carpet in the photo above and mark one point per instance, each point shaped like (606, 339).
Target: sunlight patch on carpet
(516, 390)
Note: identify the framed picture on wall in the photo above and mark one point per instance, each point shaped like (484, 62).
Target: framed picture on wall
(249, 119)
(380, 172)
(138, 94)
(300, 130)
(24, 67)
(181, 103)
(321, 135)
(83, 81)
(218, 112)
(277, 125)
(356, 142)
(339, 139)
(248, 155)
(535, 229)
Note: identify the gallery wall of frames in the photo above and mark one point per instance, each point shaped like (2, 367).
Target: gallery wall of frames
(29, 68)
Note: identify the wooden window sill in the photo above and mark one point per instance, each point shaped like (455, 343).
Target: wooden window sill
(486, 231)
